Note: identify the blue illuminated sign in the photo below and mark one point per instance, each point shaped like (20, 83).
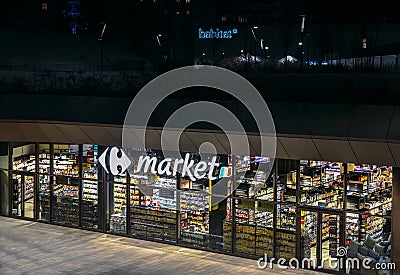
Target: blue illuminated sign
(217, 33)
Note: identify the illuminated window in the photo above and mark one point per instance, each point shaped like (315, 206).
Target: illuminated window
(44, 6)
(242, 19)
(364, 43)
(187, 1)
(187, 12)
(223, 18)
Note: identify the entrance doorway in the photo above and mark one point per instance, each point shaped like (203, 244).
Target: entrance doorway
(23, 196)
(321, 237)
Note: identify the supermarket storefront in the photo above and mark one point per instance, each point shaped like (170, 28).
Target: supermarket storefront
(303, 209)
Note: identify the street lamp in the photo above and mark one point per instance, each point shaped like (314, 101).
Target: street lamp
(102, 45)
(158, 39)
(301, 44)
(255, 44)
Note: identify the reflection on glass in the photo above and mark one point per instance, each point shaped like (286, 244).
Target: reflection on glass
(66, 201)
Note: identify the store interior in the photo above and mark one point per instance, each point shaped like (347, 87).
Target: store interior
(302, 209)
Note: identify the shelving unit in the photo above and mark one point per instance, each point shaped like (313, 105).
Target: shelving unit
(89, 161)
(194, 218)
(29, 192)
(333, 235)
(90, 204)
(44, 163)
(65, 165)
(24, 163)
(118, 218)
(286, 246)
(156, 224)
(66, 204)
(352, 228)
(250, 239)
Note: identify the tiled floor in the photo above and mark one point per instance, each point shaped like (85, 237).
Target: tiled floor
(37, 248)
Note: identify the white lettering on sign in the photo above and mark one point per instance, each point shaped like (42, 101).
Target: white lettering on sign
(189, 168)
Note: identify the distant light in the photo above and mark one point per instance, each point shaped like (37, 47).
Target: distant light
(324, 63)
(223, 53)
(241, 51)
(204, 54)
(255, 27)
(300, 43)
(266, 47)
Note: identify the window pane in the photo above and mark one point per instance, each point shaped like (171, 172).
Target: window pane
(17, 195)
(66, 201)
(90, 161)
(44, 158)
(3, 155)
(156, 218)
(286, 231)
(90, 202)
(44, 197)
(66, 160)
(286, 182)
(23, 157)
(4, 192)
(321, 184)
(116, 194)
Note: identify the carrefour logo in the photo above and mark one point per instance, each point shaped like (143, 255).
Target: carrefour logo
(115, 161)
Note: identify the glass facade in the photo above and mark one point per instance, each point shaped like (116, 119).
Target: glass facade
(303, 209)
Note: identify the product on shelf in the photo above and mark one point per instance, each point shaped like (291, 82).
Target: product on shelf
(24, 163)
(118, 218)
(250, 239)
(66, 204)
(153, 223)
(90, 204)
(286, 244)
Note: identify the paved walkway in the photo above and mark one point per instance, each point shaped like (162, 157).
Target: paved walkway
(36, 248)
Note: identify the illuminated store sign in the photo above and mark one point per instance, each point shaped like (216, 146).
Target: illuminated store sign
(217, 33)
(116, 162)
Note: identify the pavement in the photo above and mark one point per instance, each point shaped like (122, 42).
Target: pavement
(28, 247)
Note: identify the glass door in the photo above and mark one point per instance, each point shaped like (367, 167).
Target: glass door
(17, 195)
(330, 241)
(321, 240)
(29, 194)
(23, 196)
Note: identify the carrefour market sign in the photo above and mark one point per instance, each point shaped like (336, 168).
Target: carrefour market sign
(115, 161)
(217, 33)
